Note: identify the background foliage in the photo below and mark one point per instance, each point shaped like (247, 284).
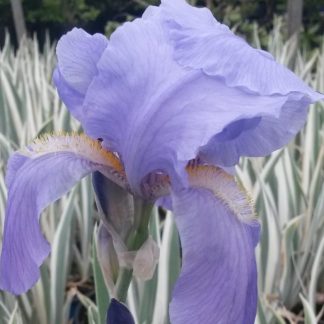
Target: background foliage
(58, 16)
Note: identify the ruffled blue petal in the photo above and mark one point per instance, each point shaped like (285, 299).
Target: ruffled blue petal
(201, 42)
(34, 180)
(218, 280)
(257, 136)
(159, 107)
(157, 114)
(77, 54)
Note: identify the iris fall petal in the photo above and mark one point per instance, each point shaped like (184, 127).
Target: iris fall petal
(37, 176)
(218, 280)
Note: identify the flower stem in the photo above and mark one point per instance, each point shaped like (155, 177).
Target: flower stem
(135, 240)
(123, 281)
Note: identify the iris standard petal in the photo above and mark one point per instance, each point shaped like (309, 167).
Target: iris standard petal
(257, 136)
(157, 114)
(201, 42)
(37, 176)
(218, 279)
(77, 54)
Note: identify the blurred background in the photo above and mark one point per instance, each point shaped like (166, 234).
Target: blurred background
(56, 17)
(287, 186)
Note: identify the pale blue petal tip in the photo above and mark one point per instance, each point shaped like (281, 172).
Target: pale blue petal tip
(33, 184)
(218, 280)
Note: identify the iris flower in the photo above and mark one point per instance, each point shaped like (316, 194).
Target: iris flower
(168, 105)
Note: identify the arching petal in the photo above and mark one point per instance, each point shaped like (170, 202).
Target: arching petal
(218, 279)
(201, 42)
(77, 54)
(256, 136)
(37, 176)
(157, 114)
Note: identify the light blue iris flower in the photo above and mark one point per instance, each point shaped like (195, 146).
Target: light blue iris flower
(175, 98)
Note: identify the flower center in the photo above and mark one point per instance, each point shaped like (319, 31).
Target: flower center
(155, 185)
(221, 184)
